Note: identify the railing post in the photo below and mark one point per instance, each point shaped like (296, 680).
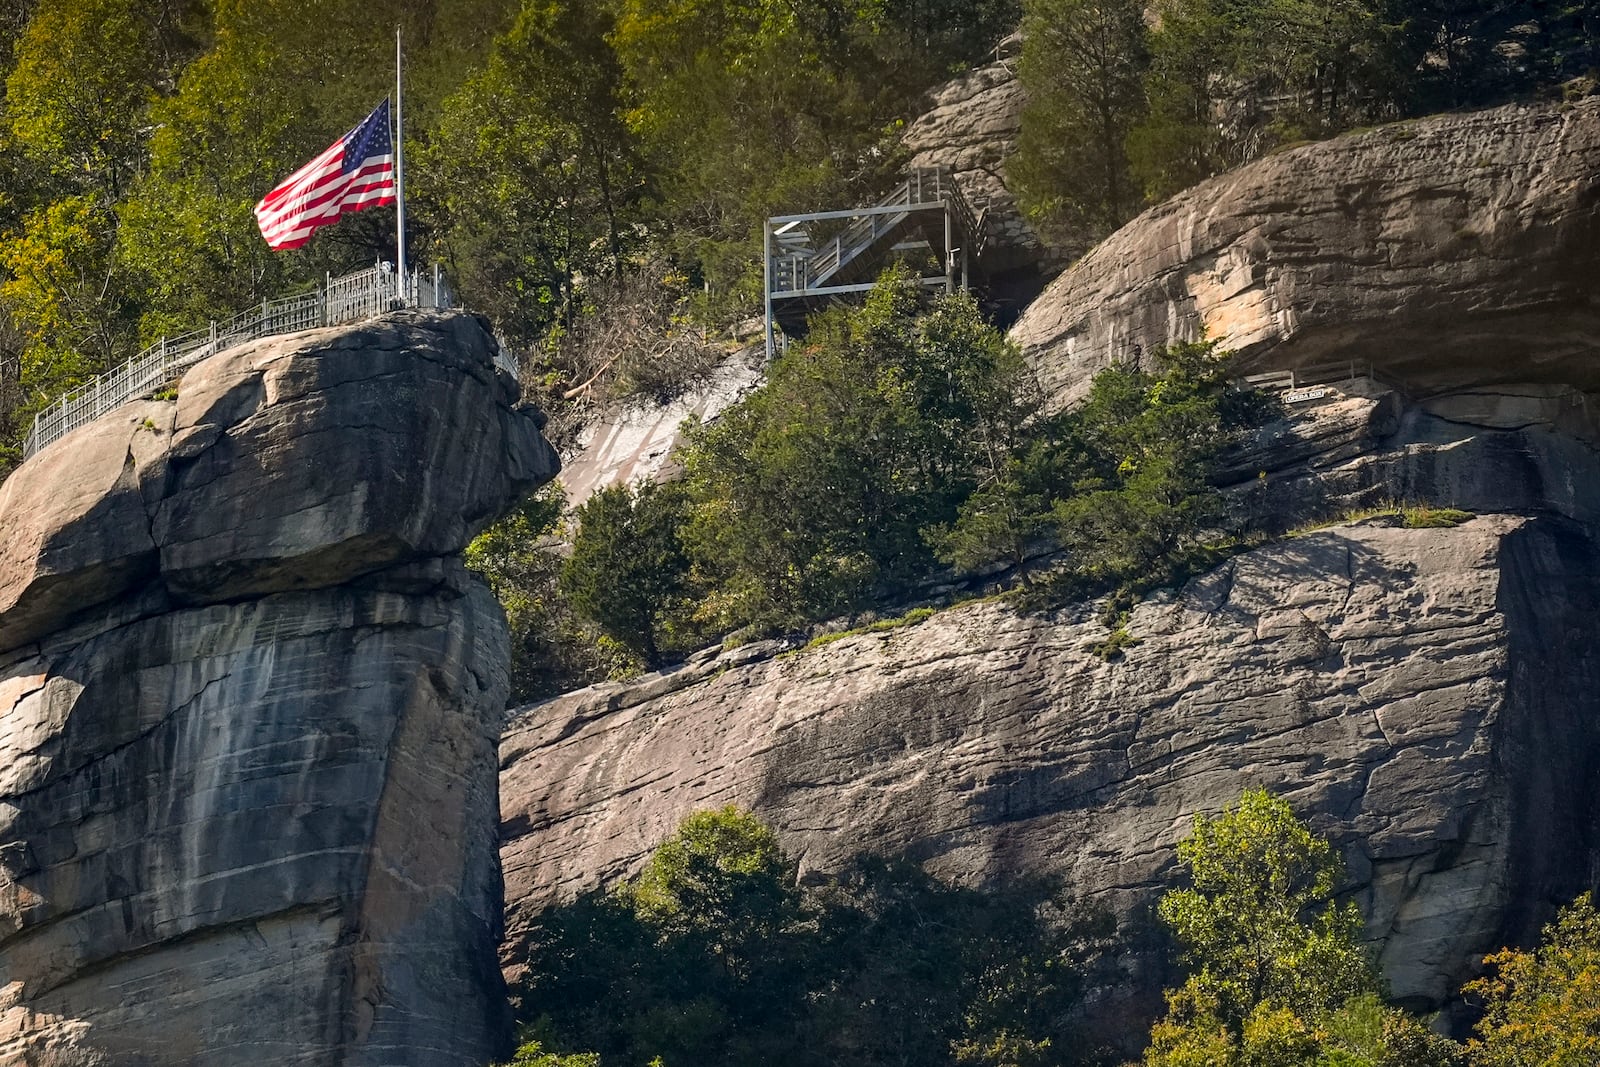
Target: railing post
(438, 297)
(213, 338)
(949, 254)
(766, 279)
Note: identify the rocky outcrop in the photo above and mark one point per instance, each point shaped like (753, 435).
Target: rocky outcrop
(1452, 252)
(635, 442)
(1525, 448)
(249, 701)
(970, 128)
(1425, 696)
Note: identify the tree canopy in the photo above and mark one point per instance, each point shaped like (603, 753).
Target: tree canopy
(715, 955)
(1130, 103)
(1278, 976)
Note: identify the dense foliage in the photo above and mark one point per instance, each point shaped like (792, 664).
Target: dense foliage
(714, 955)
(1278, 975)
(900, 437)
(555, 145)
(552, 648)
(1543, 1007)
(1129, 102)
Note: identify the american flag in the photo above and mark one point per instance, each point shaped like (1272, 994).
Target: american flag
(355, 173)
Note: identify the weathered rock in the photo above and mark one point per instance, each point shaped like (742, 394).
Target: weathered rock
(971, 128)
(1451, 252)
(635, 442)
(1519, 448)
(250, 704)
(1423, 695)
(293, 463)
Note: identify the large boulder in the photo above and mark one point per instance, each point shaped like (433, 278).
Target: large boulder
(970, 129)
(249, 703)
(1449, 252)
(292, 463)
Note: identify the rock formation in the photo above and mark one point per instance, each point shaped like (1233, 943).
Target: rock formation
(1450, 252)
(250, 701)
(1422, 695)
(1428, 697)
(970, 127)
(634, 442)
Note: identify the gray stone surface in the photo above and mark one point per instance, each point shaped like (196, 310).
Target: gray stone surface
(1452, 252)
(249, 702)
(970, 128)
(1425, 696)
(295, 462)
(635, 442)
(1523, 448)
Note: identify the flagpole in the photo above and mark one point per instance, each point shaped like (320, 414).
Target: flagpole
(399, 175)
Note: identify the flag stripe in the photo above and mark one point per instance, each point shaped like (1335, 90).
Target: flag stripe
(356, 172)
(377, 198)
(321, 199)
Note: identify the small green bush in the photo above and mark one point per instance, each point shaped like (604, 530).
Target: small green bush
(628, 567)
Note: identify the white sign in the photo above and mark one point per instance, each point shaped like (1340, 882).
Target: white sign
(1300, 396)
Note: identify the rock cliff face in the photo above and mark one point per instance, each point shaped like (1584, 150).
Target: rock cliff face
(1427, 697)
(634, 442)
(249, 700)
(1423, 695)
(1450, 252)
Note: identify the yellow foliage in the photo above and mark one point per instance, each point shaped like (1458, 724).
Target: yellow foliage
(1542, 1008)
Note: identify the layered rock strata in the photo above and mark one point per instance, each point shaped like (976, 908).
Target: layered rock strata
(1451, 252)
(1425, 696)
(249, 701)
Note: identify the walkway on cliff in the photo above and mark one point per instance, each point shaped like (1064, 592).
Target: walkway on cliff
(338, 301)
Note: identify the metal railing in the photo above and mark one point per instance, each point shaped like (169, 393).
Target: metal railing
(340, 300)
(1314, 374)
(922, 187)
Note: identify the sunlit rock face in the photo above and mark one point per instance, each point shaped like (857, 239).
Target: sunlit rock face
(1424, 696)
(249, 702)
(1449, 252)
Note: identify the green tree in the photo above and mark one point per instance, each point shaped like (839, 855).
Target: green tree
(59, 286)
(531, 180)
(1278, 977)
(85, 73)
(746, 108)
(1542, 1007)
(814, 491)
(715, 956)
(628, 567)
(1256, 920)
(723, 881)
(552, 650)
(698, 960)
(1231, 79)
(1149, 440)
(533, 1054)
(1083, 65)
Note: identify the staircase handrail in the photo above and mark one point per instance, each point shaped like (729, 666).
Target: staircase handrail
(923, 186)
